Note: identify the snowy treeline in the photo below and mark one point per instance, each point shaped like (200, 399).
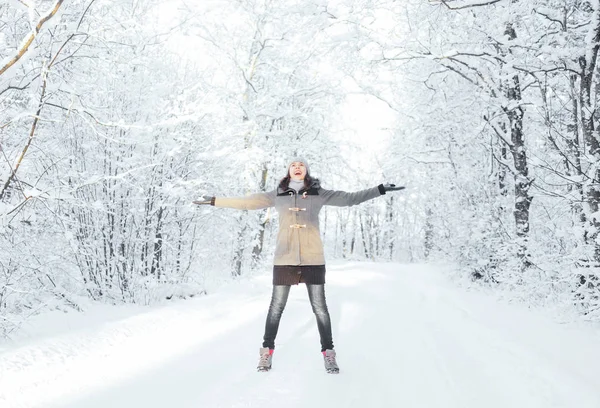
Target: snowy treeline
(114, 115)
(502, 132)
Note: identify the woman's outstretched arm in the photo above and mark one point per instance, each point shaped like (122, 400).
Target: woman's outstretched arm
(345, 199)
(250, 202)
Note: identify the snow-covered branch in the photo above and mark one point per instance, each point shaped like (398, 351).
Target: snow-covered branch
(464, 4)
(30, 37)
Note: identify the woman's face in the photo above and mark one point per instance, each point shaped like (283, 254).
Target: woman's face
(297, 171)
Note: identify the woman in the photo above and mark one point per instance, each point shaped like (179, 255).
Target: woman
(299, 254)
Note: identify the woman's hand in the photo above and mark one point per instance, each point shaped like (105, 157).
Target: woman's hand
(205, 200)
(392, 187)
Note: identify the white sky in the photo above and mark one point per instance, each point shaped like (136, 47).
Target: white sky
(367, 120)
(364, 118)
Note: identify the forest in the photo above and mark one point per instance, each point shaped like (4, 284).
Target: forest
(116, 115)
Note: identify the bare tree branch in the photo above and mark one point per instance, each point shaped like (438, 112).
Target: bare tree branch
(498, 133)
(475, 3)
(31, 134)
(29, 39)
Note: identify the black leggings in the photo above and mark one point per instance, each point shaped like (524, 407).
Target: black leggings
(316, 294)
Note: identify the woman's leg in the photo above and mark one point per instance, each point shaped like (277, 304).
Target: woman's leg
(278, 300)
(316, 294)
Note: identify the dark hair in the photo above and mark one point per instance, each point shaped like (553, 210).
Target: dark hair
(285, 182)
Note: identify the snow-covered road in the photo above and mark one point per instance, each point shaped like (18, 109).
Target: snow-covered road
(405, 337)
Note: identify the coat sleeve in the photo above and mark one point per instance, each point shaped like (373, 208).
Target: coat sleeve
(250, 202)
(344, 199)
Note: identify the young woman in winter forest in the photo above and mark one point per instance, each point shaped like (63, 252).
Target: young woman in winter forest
(299, 254)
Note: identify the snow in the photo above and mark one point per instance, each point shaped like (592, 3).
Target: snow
(404, 334)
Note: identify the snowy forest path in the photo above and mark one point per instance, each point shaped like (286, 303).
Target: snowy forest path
(405, 336)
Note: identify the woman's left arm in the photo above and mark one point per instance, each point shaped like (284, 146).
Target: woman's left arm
(345, 199)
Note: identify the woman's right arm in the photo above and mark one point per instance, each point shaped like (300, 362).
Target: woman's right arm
(250, 202)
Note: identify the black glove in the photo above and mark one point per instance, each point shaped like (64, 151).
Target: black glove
(205, 200)
(383, 188)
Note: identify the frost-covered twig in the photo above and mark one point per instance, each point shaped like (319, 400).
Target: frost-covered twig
(29, 39)
(471, 4)
(31, 134)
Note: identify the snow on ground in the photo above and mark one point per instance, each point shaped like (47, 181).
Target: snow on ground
(405, 337)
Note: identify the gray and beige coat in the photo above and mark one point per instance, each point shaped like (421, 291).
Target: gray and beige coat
(299, 239)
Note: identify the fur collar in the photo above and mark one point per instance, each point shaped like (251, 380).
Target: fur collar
(313, 189)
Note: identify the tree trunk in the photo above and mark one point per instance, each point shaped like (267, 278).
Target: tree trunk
(363, 235)
(590, 133)
(429, 228)
(155, 269)
(515, 113)
(390, 219)
(258, 248)
(239, 252)
(574, 151)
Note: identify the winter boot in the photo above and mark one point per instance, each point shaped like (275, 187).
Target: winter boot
(266, 356)
(330, 364)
